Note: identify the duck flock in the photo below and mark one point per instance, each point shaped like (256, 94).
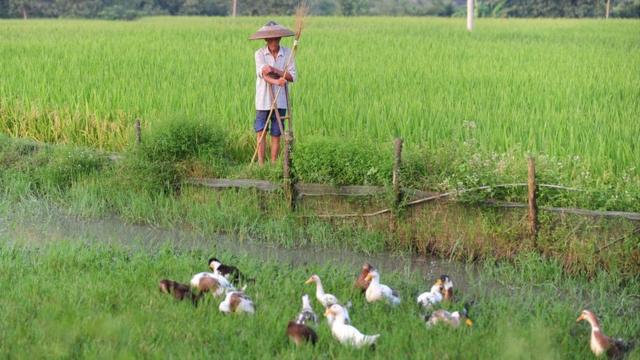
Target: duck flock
(219, 283)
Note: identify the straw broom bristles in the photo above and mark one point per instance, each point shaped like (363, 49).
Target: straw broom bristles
(301, 13)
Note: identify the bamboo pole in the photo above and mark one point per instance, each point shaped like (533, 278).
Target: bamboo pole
(533, 207)
(470, 15)
(234, 8)
(606, 11)
(289, 188)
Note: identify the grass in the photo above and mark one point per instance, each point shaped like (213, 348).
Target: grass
(83, 299)
(141, 190)
(563, 89)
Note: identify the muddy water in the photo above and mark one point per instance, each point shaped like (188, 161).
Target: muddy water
(38, 225)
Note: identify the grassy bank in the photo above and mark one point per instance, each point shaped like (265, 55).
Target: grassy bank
(145, 187)
(564, 89)
(90, 300)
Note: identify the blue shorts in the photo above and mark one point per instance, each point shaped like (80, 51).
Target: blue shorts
(261, 121)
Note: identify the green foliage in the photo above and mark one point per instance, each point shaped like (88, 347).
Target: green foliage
(184, 139)
(46, 168)
(339, 162)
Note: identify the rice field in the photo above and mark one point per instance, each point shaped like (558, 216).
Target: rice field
(564, 88)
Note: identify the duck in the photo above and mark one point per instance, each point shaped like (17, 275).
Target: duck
(216, 284)
(361, 282)
(447, 286)
(429, 298)
(377, 291)
(236, 302)
(345, 333)
(301, 333)
(298, 331)
(602, 344)
(178, 290)
(307, 313)
(323, 298)
(229, 272)
(453, 319)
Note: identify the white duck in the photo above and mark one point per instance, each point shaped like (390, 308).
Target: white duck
(216, 284)
(325, 299)
(344, 333)
(236, 302)
(377, 291)
(432, 297)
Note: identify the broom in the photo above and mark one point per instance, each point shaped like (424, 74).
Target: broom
(301, 12)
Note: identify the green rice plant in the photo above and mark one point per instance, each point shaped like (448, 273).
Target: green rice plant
(562, 89)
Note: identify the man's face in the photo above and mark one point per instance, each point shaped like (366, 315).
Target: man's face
(273, 41)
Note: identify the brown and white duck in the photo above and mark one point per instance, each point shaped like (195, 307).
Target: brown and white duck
(216, 284)
(447, 287)
(602, 344)
(236, 302)
(298, 331)
(178, 290)
(361, 281)
(453, 319)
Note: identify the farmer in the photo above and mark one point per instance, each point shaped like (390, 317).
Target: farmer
(270, 70)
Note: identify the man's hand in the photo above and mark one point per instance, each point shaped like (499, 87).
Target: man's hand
(282, 81)
(266, 70)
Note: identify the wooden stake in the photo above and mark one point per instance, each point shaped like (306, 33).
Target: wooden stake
(533, 207)
(289, 189)
(397, 192)
(606, 11)
(138, 132)
(234, 8)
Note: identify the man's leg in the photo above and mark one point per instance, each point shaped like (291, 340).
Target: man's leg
(275, 148)
(260, 148)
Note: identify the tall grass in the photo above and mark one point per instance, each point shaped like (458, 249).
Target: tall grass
(564, 88)
(74, 299)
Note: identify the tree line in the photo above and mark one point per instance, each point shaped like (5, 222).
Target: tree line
(131, 9)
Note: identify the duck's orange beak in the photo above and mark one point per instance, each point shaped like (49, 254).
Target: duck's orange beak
(368, 277)
(328, 312)
(469, 322)
(309, 281)
(580, 318)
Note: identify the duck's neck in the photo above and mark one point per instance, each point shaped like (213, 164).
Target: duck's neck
(319, 288)
(595, 324)
(305, 303)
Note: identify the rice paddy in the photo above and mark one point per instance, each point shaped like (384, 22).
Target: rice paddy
(469, 106)
(564, 88)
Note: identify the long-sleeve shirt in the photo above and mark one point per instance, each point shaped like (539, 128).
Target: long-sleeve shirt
(263, 58)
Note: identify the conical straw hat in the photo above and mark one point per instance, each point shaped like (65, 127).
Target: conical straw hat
(271, 30)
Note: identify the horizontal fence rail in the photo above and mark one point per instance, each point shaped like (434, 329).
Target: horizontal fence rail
(314, 190)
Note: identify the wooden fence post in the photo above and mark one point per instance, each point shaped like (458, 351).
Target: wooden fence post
(289, 189)
(138, 132)
(397, 161)
(533, 207)
(397, 190)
